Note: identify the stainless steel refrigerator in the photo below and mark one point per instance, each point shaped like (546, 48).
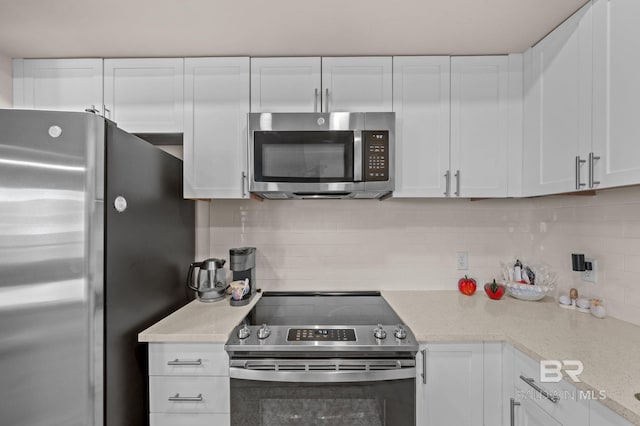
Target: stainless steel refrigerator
(95, 237)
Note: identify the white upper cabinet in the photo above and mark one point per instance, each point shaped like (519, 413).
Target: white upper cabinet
(57, 84)
(557, 108)
(215, 128)
(479, 126)
(616, 126)
(421, 103)
(357, 84)
(145, 95)
(285, 84)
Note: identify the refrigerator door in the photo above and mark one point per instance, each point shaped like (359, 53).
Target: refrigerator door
(46, 194)
(149, 244)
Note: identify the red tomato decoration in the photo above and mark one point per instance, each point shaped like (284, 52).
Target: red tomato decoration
(467, 286)
(494, 290)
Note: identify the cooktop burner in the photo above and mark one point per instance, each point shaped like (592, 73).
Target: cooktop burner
(330, 322)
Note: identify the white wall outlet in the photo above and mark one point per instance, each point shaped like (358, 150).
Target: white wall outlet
(590, 276)
(462, 261)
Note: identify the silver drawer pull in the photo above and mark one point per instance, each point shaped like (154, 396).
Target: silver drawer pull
(178, 398)
(532, 383)
(185, 362)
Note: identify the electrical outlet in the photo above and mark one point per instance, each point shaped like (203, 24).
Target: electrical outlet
(462, 261)
(590, 275)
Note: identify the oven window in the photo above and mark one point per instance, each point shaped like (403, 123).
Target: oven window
(382, 403)
(309, 156)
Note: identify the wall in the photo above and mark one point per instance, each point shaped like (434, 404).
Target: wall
(6, 83)
(411, 244)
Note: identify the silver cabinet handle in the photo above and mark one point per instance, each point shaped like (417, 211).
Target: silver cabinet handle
(424, 365)
(185, 362)
(512, 412)
(326, 100)
(243, 177)
(457, 175)
(447, 180)
(315, 100)
(178, 398)
(592, 159)
(578, 164)
(532, 383)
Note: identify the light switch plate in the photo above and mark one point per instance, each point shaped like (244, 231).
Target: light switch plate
(462, 261)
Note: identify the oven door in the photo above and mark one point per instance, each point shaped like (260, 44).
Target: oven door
(347, 397)
(305, 153)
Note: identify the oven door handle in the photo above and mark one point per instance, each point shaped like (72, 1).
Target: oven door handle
(322, 376)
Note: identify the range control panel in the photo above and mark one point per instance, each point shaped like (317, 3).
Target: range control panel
(321, 335)
(376, 155)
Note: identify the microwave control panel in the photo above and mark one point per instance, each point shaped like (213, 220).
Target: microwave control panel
(376, 155)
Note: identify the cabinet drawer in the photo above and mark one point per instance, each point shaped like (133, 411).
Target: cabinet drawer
(571, 407)
(190, 419)
(188, 394)
(188, 359)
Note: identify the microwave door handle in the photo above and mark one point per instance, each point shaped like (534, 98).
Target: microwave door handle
(357, 156)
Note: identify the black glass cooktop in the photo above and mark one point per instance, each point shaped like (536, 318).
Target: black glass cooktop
(322, 308)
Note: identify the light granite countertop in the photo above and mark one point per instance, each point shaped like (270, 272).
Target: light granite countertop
(608, 348)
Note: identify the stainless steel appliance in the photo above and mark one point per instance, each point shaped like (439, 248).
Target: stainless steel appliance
(322, 358)
(337, 155)
(242, 262)
(211, 284)
(94, 236)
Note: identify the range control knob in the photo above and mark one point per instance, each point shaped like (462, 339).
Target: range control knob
(264, 332)
(244, 332)
(379, 332)
(401, 332)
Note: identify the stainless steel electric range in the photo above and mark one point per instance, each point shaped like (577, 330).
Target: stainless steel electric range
(313, 358)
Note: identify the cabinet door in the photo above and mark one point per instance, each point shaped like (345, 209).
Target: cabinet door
(215, 131)
(479, 126)
(58, 84)
(557, 108)
(616, 92)
(451, 392)
(358, 84)
(529, 414)
(285, 84)
(421, 103)
(601, 415)
(145, 95)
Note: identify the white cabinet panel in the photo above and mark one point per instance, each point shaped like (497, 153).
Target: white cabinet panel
(529, 414)
(188, 359)
(158, 419)
(357, 84)
(145, 95)
(421, 103)
(599, 415)
(479, 126)
(177, 394)
(558, 108)
(616, 126)
(215, 130)
(58, 84)
(453, 392)
(285, 84)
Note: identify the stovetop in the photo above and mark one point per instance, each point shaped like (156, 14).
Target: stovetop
(348, 323)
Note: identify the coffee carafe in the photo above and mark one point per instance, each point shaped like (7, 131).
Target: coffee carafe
(242, 261)
(211, 283)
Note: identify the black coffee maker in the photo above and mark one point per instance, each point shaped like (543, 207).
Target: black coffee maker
(242, 262)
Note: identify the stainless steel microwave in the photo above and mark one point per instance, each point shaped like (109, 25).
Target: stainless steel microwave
(337, 155)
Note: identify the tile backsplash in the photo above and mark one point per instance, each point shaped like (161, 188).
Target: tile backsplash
(411, 244)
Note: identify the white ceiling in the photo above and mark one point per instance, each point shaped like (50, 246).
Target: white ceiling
(134, 28)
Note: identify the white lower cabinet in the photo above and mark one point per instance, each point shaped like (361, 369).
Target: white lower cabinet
(188, 384)
(453, 386)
